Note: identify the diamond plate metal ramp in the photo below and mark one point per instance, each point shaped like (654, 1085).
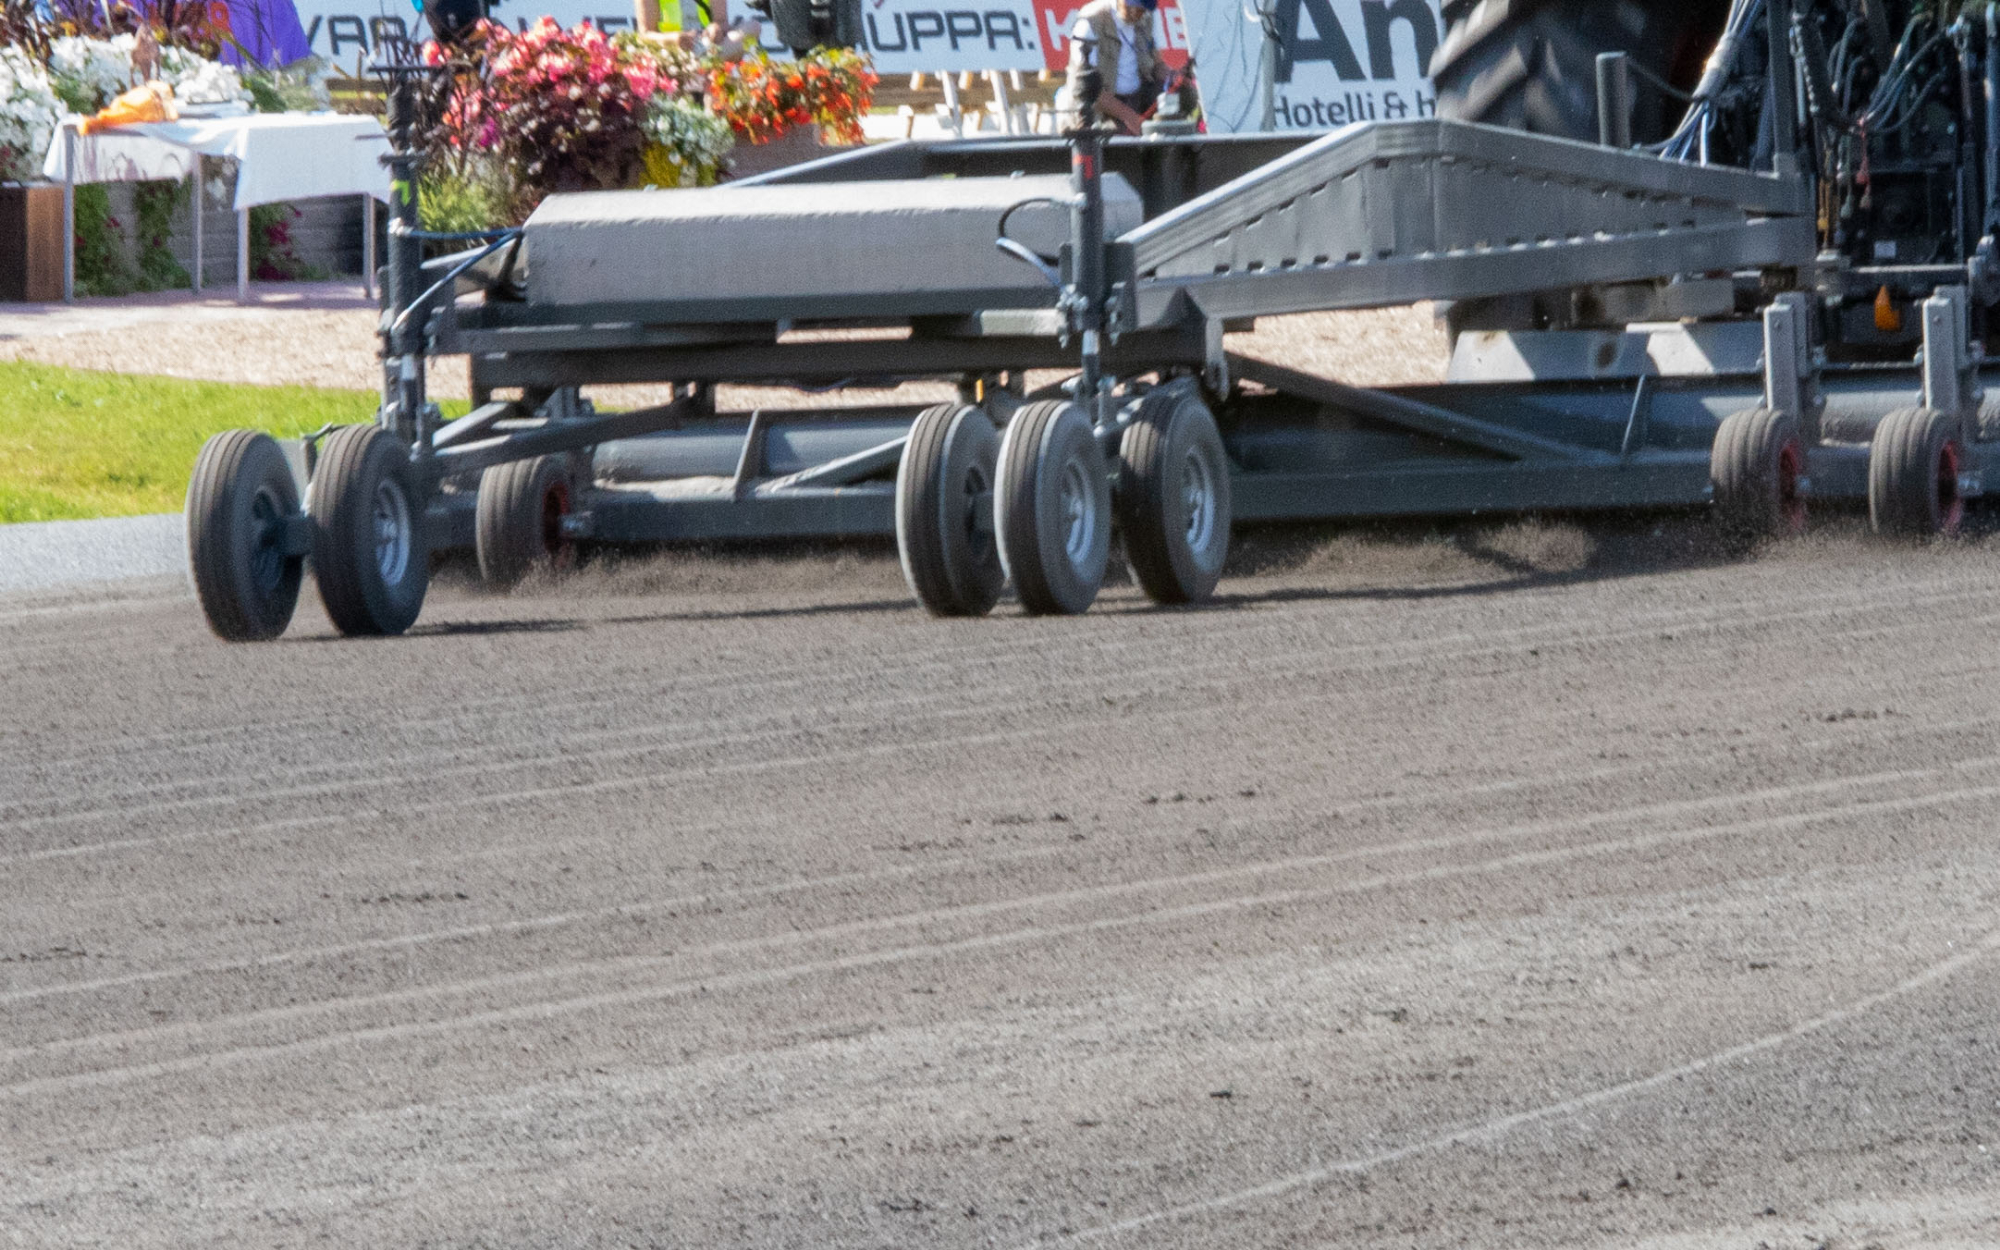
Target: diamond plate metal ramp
(1396, 212)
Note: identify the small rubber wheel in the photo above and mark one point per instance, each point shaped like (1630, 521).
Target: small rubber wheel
(1053, 508)
(1755, 467)
(519, 520)
(1173, 497)
(370, 554)
(1913, 469)
(238, 504)
(944, 511)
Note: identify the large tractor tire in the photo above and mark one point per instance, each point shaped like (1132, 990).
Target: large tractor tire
(1532, 64)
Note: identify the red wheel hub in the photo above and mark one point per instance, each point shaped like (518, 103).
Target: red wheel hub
(1791, 500)
(1950, 503)
(556, 506)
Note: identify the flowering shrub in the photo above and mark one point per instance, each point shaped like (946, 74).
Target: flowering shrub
(553, 109)
(685, 143)
(563, 108)
(29, 111)
(829, 87)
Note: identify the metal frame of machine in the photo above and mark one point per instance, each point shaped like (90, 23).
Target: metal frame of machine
(1237, 228)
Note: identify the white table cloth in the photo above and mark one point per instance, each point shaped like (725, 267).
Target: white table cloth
(280, 156)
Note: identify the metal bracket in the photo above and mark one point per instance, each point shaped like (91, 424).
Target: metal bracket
(1951, 362)
(1215, 367)
(750, 461)
(1791, 377)
(297, 539)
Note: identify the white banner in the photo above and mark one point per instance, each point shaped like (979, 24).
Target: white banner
(1339, 61)
(908, 36)
(926, 36)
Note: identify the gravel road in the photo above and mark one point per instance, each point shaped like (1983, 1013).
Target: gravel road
(1497, 887)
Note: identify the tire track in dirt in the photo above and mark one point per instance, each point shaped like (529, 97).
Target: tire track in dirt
(1977, 951)
(1095, 895)
(1289, 668)
(609, 699)
(946, 868)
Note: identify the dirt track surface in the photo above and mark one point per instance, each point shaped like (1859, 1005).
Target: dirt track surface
(1499, 887)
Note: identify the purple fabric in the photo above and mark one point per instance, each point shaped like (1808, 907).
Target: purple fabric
(268, 32)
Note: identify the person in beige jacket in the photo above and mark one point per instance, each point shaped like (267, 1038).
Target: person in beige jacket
(1124, 52)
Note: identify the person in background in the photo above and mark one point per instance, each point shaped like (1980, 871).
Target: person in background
(1124, 52)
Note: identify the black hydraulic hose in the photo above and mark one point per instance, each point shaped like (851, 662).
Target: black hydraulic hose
(1992, 216)
(423, 301)
(1810, 51)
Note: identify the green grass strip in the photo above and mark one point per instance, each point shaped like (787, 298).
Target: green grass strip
(76, 444)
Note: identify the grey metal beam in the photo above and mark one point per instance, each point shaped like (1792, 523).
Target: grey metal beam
(1408, 279)
(844, 471)
(823, 361)
(1414, 415)
(864, 511)
(563, 436)
(1465, 155)
(1651, 481)
(478, 421)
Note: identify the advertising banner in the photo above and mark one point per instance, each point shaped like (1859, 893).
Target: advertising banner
(903, 36)
(926, 36)
(1339, 61)
(344, 30)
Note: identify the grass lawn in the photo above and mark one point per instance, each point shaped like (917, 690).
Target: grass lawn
(77, 444)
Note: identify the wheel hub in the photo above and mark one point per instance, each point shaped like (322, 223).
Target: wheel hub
(1198, 497)
(392, 531)
(1791, 503)
(555, 506)
(1079, 517)
(1951, 504)
(975, 486)
(267, 551)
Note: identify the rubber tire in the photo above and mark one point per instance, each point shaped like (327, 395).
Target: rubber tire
(950, 560)
(1172, 427)
(1754, 467)
(1046, 444)
(358, 463)
(247, 591)
(517, 524)
(1913, 468)
(1532, 64)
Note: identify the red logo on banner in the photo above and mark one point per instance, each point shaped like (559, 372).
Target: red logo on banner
(1053, 19)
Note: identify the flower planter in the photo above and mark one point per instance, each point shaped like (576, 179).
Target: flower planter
(793, 146)
(31, 242)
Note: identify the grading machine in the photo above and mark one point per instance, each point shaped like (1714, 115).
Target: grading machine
(1776, 302)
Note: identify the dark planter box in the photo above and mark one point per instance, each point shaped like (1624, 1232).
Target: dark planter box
(31, 243)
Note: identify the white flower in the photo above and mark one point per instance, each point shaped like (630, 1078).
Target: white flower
(29, 111)
(92, 72)
(196, 81)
